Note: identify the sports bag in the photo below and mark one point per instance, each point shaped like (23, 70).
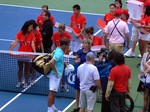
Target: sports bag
(41, 63)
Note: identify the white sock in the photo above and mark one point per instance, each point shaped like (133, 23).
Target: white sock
(53, 107)
(50, 108)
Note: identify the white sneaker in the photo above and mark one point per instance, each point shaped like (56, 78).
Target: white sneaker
(130, 55)
(55, 109)
(25, 85)
(139, 56)
(19, 84)
(32, 82)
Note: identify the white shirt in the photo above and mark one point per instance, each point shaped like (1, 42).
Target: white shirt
(116, 37)
(87, 74)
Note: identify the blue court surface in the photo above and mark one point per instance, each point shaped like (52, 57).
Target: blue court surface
(11, 20)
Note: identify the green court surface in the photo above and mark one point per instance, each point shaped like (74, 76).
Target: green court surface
(89, 6)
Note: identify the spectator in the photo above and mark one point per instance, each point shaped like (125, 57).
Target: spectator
(89, 34)
(25, 38)
(110, 15)
(40, 20)
(57, 65)
(118, 84)
(78, 22)
(116, 29)
(89, 82)
(47, 32)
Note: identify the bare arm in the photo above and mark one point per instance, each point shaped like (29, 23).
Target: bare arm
(109, 89)
(105, 39)
(98, 83)
(42, 48)
(13, 44)
(33, 46)
(128, 40)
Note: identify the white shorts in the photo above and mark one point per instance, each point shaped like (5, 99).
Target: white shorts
(145, 37)
(54, 83)
(87, 99)
(135, 34)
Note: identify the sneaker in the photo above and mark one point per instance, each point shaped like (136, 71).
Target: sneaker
(130, 55)
(32, 82)
(19, 84)
(25, 85)
(139, 56)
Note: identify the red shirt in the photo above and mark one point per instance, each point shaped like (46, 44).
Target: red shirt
(25, 41)
(97, 40)
(56, 37)
(108, 17)
(40, 21)
(38, 39)
(145, 20)
(120, 74)
(77, 22)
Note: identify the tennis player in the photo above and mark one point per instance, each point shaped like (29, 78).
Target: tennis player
(57, 65)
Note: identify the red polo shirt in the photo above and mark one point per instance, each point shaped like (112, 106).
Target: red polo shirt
(97, 40)
(56, 37)
(38, 39)
(25, 41)
(77, 22)
(108, 17)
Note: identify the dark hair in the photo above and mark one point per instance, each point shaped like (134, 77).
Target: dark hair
(89, 30)
(34, 24)
(25, 27)
(147, 12)
(112, 4)
(120, 2)
(76, 6)
(119, 58)
(45, 6)
(111, 55)
(47, 13)
(148, 43)
(64, 41)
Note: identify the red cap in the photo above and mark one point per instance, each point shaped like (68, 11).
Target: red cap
(146, 3)
(125, 12)
(117, 12)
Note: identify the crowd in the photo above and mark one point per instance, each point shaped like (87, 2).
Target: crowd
(107, 76)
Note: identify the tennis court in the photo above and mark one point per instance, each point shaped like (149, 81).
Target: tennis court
(12, 18)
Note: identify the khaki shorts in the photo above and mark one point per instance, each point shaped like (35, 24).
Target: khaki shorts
(87, 99)
(135, 34)
(117, 47)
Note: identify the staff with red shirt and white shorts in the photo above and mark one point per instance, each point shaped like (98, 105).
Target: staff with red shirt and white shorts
(25, 38)
(78, 22)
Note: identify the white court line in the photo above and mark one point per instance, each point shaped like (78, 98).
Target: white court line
(49, 9)
(14, 98)
(69, 106)
(7, 40)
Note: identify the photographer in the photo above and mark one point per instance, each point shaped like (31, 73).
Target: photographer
(106, 62)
